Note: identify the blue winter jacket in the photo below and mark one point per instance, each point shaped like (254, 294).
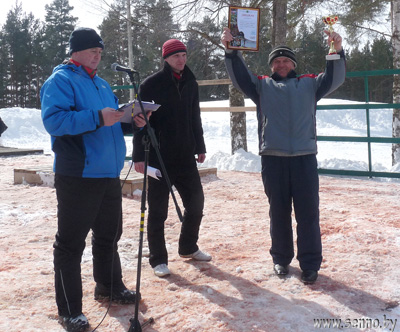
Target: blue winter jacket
(71, 103)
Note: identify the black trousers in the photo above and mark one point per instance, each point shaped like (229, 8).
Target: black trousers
(294, 180)
(84, 204)
(186, 180)
(3, 127)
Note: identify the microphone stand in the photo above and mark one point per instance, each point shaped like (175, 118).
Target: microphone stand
(135, 324)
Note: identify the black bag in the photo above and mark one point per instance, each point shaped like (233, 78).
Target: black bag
(3, 127)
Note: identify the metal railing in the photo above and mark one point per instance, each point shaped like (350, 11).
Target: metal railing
(368, 139)
(365, 139)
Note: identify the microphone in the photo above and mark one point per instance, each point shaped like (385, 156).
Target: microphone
(117, 67)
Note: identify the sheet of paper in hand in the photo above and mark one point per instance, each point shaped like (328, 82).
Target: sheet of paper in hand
(133, 108)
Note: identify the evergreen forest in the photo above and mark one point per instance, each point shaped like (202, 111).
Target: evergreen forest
(31, 48)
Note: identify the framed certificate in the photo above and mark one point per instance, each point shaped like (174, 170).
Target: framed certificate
(244, 23)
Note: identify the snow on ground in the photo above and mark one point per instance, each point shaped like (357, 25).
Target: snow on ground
(237, 291)
(26, 131)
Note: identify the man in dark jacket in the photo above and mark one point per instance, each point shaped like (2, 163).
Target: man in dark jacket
(178, 130)
(286, 109)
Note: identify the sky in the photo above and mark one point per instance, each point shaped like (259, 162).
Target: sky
(26, 131)
(89, 13)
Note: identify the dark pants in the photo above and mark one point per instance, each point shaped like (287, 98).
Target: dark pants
(3, 127)
(187, 182)
(287, 180)
(85, 204)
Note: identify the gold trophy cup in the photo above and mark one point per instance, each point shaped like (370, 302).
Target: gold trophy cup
(331, 20)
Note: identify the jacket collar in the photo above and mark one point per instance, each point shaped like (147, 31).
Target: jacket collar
(277, 77)
(187, 74)
(91, 72)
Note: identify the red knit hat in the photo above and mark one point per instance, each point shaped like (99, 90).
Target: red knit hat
(172, 46)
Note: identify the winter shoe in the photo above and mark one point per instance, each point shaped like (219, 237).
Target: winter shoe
(161, 270)
(76, 323)
(198, 256)
(281, 270)
(120, 294)
(309, 276)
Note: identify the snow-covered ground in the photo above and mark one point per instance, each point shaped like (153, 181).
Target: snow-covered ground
(237, 291)
(26, 130)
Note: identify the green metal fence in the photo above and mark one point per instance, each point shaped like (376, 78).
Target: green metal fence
(363, 139)
(367, 138)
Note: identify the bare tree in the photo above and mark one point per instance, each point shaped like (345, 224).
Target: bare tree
(279, 22)
(237, 120)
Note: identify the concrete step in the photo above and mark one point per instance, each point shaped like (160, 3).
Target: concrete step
(44, 175)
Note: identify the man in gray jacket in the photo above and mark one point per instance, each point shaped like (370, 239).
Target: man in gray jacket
(286, 109)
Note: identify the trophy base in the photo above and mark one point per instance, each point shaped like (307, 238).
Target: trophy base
(333, 56)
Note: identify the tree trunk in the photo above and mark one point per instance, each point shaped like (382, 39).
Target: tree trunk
(396, 79)
(279, 22)
(130, 42)
(238, 121)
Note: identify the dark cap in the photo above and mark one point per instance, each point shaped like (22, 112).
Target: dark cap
(84, 38)
(280, 51)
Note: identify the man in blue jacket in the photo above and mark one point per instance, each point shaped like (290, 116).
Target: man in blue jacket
(286, 109)
(79, 112)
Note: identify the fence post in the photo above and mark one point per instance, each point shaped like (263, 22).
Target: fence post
(366, 88)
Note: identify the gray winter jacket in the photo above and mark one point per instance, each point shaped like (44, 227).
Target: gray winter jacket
(286, 107)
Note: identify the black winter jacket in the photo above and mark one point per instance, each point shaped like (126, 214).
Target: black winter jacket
(177, 123)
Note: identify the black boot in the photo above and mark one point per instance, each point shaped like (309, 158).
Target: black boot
(309, 276)
(74, 323)
(120, 294)
(281, 270)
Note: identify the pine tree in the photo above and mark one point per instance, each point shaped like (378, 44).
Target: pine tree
(113, 32)
(59, 25)
(382, 58)
(155, 26)
(33, 71)
(152, 25)
(204, 57)
(18, 43)
(3, 70)
(310, 46)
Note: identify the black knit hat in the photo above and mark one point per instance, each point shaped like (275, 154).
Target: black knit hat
(84, 38)
(284, 51)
